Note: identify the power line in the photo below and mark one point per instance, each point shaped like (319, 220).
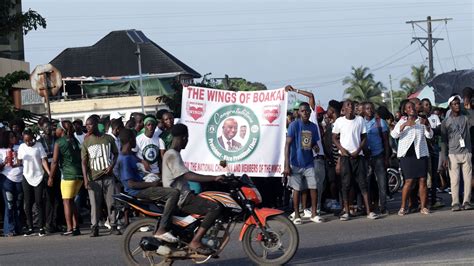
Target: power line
(228, 12)
(439, 62)
(449, 42)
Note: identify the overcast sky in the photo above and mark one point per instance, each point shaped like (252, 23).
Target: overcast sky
(309, 44)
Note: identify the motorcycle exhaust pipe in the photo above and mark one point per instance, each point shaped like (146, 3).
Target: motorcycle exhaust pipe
(149, 243)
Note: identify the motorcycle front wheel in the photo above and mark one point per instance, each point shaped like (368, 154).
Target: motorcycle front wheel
(278, 248)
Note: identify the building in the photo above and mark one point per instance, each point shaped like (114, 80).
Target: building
(103, 78)
(12, 57)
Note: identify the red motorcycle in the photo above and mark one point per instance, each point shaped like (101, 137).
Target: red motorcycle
(268, 237)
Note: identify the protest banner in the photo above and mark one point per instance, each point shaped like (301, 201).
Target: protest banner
(246, 129)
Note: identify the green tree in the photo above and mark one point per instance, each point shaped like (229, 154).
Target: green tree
(362, 86)
(398, 97)
(12, 22)
(419, 76)
(240, 84)
(235, 84)
(6, 103)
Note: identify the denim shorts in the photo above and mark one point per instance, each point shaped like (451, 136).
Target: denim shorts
(302, 178)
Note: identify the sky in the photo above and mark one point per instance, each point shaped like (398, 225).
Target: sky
(310, 45)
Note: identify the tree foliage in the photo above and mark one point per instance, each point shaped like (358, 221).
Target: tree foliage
(363, 87)
(11, 23)
(419, 77)
(240, 84)
(6, 103)
(234, 84)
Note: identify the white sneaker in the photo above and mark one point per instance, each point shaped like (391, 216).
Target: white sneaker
(372, 216)
(345, 217)
(317, 219)
(292, 215)
(306, 213)
(107, 224)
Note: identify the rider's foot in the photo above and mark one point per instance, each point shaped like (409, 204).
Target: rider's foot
(167, 237)
(200, 249)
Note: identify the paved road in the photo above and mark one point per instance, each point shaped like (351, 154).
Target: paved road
(441, 238)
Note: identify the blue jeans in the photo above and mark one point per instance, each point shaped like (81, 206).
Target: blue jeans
(13, 197)
(378, 169)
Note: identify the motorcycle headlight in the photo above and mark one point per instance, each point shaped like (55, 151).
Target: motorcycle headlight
(252, 194)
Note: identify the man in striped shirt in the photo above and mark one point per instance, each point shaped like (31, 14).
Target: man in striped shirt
(99, 154)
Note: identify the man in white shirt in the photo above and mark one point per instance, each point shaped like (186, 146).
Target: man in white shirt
(349, 135)
(79, 134)
(149, 147)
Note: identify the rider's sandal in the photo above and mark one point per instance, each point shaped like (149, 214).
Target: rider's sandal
(297, 221)
(202, 250)
(167, 237)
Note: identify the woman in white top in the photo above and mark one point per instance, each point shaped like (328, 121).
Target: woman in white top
(413, 153)
(12, 191)
(35, 162)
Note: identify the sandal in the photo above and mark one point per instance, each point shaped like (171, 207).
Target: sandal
(425, 211)
(167, 237)
(202, 250)
(402, 212)
(297, 221)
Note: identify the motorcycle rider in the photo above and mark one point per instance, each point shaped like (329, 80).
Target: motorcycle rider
(135, 185)
(176, 175)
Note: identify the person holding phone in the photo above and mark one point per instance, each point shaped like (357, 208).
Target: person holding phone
(412, 132)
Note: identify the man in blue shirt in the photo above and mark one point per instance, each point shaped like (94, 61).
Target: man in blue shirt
(378, 154)
(301, 141)
(135, 186)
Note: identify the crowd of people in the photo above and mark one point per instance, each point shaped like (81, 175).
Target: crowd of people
(341, 156)
(338, 157)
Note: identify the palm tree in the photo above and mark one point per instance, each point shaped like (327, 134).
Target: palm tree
(419, 76)
(363, 87)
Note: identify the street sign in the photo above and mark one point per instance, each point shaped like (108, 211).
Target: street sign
(46, 79)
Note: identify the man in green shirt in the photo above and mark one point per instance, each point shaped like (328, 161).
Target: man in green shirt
(99, 155)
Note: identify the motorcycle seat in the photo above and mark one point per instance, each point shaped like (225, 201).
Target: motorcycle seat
(140, 200)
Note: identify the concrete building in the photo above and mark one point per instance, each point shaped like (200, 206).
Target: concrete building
(103, 78)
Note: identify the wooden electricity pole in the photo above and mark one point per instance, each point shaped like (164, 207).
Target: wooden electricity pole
(428, 42)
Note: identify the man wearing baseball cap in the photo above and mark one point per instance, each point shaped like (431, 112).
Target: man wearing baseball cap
(455, 132)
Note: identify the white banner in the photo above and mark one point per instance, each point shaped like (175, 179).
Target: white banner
(246, 129)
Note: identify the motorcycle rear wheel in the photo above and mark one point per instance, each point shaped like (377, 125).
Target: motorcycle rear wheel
(394, 180)
(279, 249)
(133, 254)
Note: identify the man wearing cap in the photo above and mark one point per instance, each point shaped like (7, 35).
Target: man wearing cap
(455, 132)
(150, 148)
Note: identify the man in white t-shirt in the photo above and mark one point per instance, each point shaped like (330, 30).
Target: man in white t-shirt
(150, 148)
(78, 134)
(349, 135)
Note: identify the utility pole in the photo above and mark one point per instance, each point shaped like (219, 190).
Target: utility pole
(428, 42)
(391, 92)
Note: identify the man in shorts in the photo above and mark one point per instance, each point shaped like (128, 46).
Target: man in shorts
(349, 135)
(301, 141)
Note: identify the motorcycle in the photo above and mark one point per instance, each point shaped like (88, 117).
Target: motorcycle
(268, 237)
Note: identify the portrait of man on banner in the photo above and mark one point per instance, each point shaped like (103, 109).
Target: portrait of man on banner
(229, 131)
